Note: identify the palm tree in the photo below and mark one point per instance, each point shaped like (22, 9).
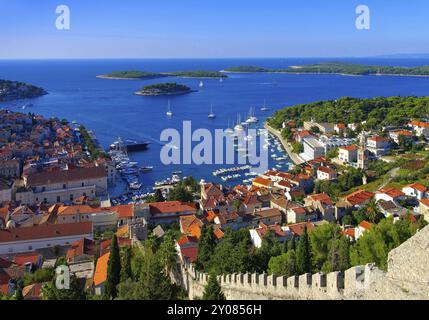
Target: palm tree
(373, 212)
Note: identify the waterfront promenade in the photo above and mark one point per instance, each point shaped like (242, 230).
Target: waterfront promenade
(296, 159)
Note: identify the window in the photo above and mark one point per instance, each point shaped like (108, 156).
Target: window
(64, 186)
(83, 184)
(43, 189)
(30, 248)
(71, 197)
(58, 199)
(84, 194)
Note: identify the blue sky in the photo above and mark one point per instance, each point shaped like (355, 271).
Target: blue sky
(211, 28)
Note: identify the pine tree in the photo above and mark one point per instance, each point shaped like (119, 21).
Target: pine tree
(303, 254)
(154, 284)
(113, 270)
(19, 287)
(158, 197)
(292, 243)
(213, 290)
(206, 248)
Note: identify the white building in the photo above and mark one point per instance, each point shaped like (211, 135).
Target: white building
(416, 190)
(348, 154)
(314, 148)
(326, 173)
(379, 146)
(420, 128)
(18, 240)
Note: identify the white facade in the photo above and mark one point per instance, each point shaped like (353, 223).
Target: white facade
(413, 192)
(31, 245)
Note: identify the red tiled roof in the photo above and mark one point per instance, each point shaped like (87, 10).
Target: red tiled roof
(378, 139)
(359, 197)
(262, 181)
(22, 259)
(322, 197)
(425, 202)
(124, 210)
(190, 253)
(77, 209)
(419, 124)
(403, 133)
(171, 207)
(122, 242)
(365, 225)
(100, 275)
(349, 148)
(298, 228)
(46, 231)
(59, 176)
(185, 239)
(418, 187)
(392, 192)
(327, 170)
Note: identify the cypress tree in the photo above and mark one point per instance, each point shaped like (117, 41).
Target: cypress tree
(213, 290)
(126, 264)
(206, 248)
(292, 243)
(113, 270)
(303, 254)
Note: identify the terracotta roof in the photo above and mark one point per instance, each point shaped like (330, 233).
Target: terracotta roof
(251, 199)
(191, 225)
(322, 197)
(359, 197)
(124, 210)
(189, 253)
(186, 239)
(419, 124)
(392, 192)
(275, 228)
(171, 207)
(100, 275)
(22, 259)
(79, 248)
(378, 139)
(122, 232)
(365, 225)
(32, 291)
(298, 228)
(268, 213)
(59, 176)
(403, 133)
(46, 231)
(349, 232)
(77, 209)
(122, 242)
(262, 181)
(327, 170)
(340, 125)
(349, 148)
(211, 215)
(425, 202)
(418, 187)
(280, 201)
(218, 233)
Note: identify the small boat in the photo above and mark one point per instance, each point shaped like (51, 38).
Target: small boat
(229, 130)
(251, 118)
(177, 172)
(239, 125)
(220, 79)
(265, 108)
(146, 168)
(201, 84)
(169, 112)
(211, 114)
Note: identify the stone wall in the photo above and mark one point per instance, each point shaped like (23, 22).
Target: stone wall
(407, 278)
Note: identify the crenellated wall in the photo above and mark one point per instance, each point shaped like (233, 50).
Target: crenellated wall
(407, 278)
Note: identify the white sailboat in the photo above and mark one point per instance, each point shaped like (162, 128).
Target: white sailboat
(265, 108)
(211, 114)
(229, 130)
(169, 112)
(239, 126)
(251, 118)
(201, 84)
(220, 79)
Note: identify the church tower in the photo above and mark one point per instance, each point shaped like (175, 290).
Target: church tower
(362, 152)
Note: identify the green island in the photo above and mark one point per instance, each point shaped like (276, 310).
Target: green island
(339, 68)
(160, 89)
(377, 112)
(14, 90)
(134, 75)
(131, 75)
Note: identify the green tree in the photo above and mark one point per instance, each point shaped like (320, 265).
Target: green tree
(333, 153)
(154, 284)
(113, 270)
(75, 292)
(213, 291)
(373, 212)
(320, 239)
(206, 247)
(126, 271)
(297, 148)
(338, 257)
(303, 254)
(283, 265)
(19, 287)
(180, 193)
(167, 252)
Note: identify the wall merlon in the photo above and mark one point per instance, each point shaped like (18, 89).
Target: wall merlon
(319, 280)
(292, 282)
(262, 279)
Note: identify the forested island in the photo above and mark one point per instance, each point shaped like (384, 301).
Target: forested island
(160, 89)
(14, 90)
(377, 112)
(134, 75)
(339, 68)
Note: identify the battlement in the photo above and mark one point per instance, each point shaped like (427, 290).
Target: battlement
(358, 282)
